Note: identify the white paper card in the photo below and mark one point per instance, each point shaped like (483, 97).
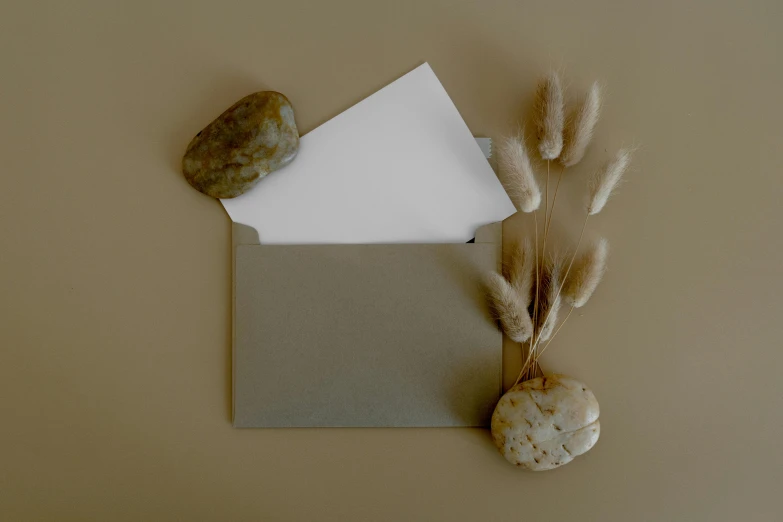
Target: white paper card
(398, 167)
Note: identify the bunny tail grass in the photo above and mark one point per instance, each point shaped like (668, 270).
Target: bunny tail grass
(587, 273)
(549, 116)
(550, 297)
(518, 270)
(509, 309)
(604, 183)
(517, 174)
(579, 128)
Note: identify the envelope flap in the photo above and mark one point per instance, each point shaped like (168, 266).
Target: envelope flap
(490, 233)
(243, 235)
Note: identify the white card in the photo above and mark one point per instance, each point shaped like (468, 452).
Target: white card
(398, 167)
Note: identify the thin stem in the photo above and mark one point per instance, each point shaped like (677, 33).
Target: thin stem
(540, 269)
(535, 303)
(534, 342)
(554, 198)
(568, 270)
(546, 209)
(547, 224)
(525, 367)
(554, 334)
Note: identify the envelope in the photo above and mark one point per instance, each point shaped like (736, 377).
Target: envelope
(364, 335)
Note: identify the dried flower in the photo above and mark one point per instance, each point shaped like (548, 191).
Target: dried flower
(579, 128)
(518, 270)
(517, 173)
(604, 183)
(587, 272)
(550, 299)
(508, 308)
(528, 297)
(549, 116)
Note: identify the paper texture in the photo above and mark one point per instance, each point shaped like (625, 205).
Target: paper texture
(364, 335)
(399, 167)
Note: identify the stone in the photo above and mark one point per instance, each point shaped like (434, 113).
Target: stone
(546, 422)
(255, 136)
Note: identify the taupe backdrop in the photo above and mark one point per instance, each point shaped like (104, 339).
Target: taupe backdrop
(114, 273)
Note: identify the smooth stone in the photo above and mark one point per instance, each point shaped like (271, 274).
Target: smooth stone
(255, 136)
(545, 422)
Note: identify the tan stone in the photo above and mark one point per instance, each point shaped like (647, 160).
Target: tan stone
(255, 136)
(545, 422)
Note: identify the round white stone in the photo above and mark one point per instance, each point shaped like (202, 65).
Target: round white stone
(545, 422)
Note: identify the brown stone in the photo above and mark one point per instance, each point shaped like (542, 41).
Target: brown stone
(255, 136)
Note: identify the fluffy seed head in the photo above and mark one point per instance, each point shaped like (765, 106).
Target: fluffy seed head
(517, 174)
(586, 273)
(549, 116)
(579, 128)
(550, 300)
(605, 182)
(508, 308)
(518, 270)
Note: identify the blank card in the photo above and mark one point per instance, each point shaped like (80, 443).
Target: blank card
(399, 167)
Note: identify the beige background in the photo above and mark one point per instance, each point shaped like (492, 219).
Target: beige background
(114, 273)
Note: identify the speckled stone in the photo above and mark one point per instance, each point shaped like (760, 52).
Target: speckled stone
(254, 137)
(545, 422)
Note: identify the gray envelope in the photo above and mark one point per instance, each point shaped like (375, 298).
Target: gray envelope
(364, 335)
